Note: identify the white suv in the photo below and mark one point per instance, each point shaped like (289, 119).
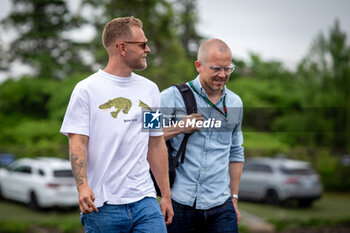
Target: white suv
(39, 182)
(275, 180)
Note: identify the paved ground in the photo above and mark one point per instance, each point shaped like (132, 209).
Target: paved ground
(256, 224)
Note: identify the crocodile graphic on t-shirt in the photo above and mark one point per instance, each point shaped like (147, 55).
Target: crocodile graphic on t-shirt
(143, 105)
(119, 104)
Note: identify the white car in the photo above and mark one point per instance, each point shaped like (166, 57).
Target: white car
(40, 182)
(276, 180)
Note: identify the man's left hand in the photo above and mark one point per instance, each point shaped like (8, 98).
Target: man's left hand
(238, 214)
(167, 210)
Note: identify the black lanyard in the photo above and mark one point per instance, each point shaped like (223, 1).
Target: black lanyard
(211, 103)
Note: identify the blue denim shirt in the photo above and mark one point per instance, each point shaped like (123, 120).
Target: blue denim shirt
(204, 174)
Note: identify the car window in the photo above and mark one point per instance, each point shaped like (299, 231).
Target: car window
(23, 169)
(63, 173)
(41, 172)
(262, 168)
(247, 167)
(297, 171)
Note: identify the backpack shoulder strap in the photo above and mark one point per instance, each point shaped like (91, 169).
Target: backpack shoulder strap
(187, 95)
(191, 107)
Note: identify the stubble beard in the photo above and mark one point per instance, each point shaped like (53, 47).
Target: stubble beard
(216, 88)
(138, 64)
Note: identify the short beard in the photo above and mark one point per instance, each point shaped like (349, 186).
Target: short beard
(139, 65)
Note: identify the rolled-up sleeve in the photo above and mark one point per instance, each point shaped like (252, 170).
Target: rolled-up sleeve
(237, 150)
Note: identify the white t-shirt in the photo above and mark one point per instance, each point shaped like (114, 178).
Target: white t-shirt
(108, 109)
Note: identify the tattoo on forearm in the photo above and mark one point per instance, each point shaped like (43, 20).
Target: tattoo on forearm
(78, 168)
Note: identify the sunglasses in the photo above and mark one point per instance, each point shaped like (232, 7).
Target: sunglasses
(140, 43)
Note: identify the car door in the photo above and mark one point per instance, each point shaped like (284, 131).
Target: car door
(249, 184)
(19, 179)
(254, 180)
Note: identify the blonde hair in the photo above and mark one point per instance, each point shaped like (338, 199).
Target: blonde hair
(119, 28)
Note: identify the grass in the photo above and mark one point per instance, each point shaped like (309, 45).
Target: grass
(331, 209)
(330, 206)
(15, 217)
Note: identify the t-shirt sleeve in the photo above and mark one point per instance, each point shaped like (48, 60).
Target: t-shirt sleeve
(156, 102)
(77, 117)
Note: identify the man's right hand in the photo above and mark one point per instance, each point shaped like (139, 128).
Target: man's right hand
(194, 116)
(86, 199)
(172, 131)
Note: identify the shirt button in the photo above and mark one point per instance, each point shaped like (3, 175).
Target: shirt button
(204, 153)
(202, 169)
(199, 184)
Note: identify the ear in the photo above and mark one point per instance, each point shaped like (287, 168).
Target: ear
(198, 66)
(121, 49)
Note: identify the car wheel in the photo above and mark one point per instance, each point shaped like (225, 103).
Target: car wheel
(305, 202)
(272, 198)
(33, 202)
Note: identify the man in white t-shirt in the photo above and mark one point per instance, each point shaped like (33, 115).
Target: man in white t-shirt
(110, 153)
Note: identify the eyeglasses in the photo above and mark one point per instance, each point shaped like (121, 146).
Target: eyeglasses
(217, 69)
(142, 44)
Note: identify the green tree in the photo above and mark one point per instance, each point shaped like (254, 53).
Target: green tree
(187, 20)
(325, 77)
(169, 62)
(31, 113)
(40, 43)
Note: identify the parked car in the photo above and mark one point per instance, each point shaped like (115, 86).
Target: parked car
(276, 180)
(39, 182)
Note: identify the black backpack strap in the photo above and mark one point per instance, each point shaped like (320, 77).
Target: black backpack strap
(191, 107)
(187, 95)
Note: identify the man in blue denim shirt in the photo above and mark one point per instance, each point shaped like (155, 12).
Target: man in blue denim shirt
(205, 191)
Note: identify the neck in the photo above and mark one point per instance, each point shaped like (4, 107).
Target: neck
(118, 69)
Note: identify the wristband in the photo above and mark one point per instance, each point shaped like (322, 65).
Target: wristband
(234, 196)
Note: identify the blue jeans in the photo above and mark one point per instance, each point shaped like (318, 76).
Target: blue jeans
(141, 216)
(218, 219)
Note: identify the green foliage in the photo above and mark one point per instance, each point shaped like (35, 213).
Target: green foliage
(58, 102)
(334, 175)
(314, 223)
(325, 73)
(186, 22)
(13, 227)
(284, 112)
(40, 25)
(169, 28)
(269, 93)
(31, 113)
(26, 97)
(291, 216)
(258, 144)
(177, 69)
(312, 106)
(34, 138)
(270, 70)
(18, 218)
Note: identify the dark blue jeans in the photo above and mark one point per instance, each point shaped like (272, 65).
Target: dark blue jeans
(143, 216)
(218, 219)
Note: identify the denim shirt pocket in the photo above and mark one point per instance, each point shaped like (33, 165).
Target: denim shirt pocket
(224, 137)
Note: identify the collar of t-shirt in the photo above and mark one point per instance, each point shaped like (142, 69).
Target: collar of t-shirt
(115, 78)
